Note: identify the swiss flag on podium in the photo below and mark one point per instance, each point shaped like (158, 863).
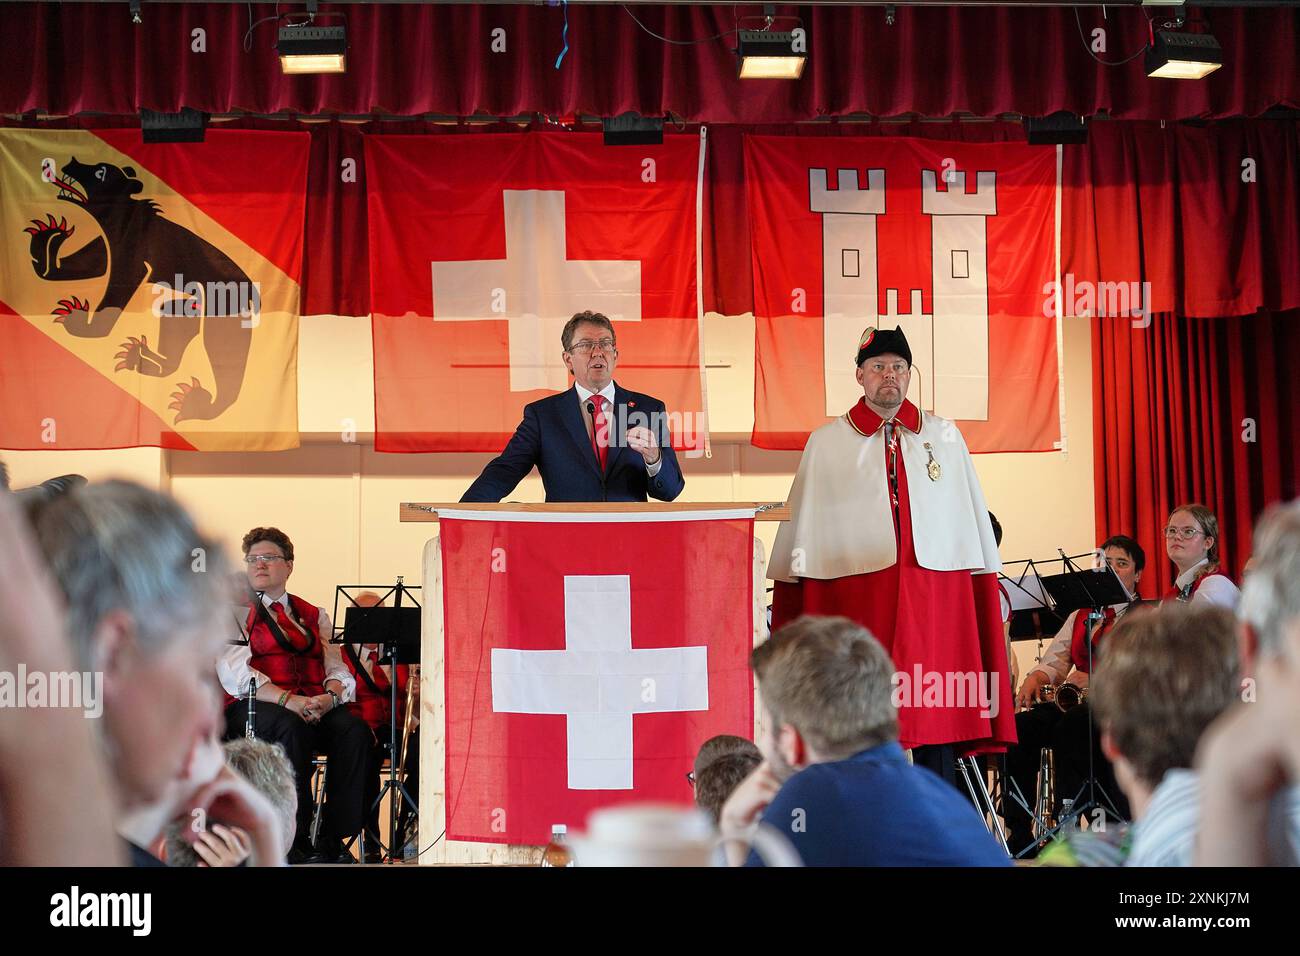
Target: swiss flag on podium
(587, 657)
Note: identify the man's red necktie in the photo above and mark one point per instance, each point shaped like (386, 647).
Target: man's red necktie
(599, 430)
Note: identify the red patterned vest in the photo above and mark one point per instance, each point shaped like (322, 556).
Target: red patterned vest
(1078, 640)
(301, 671)
(372, 705)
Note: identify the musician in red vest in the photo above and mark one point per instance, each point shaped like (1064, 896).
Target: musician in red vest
(302, 685)
(1192, 543)
(1042, 724)
(373, 705)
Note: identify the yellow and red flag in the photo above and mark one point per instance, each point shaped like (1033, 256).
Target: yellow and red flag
(149, 293)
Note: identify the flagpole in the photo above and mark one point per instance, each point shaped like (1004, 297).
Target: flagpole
(699, 287)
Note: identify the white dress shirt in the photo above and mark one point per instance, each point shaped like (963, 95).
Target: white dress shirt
(1216, 589)
(1055, 662)
(607, 393)
(234, 670)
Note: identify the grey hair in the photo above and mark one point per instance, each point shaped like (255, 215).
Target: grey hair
(264, 765)
(1270, 595)
(117, 545)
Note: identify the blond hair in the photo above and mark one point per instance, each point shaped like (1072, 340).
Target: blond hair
(1209, 525)
(830, 679)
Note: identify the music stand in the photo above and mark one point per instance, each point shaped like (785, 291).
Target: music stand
(1031, 610)
(396, 630)
(1086, 589)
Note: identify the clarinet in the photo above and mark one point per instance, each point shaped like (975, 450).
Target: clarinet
(249, 732)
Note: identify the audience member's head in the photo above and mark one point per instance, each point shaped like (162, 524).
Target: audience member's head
(1270, 594)
(1126, 558)
(1162, 680)
(267, 768)
(145, 597)
(997, 529)
(825, 685)
(722, 763)
(1192, 536)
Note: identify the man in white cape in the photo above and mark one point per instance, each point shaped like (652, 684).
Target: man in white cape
(889, 528)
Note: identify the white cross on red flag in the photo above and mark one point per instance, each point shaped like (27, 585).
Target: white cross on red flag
(587, 658)
(483, 246)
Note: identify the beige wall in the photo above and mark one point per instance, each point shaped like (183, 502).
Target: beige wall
(338, 499)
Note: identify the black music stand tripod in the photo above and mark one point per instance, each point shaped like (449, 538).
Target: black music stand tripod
(396, 630)
(1093, 590)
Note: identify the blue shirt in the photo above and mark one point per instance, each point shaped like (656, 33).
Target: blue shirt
(876, 809)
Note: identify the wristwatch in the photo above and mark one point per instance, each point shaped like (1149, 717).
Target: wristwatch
(338, 701)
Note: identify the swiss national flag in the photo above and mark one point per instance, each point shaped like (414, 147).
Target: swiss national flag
(587, 658)
(954, 242)
(483, 246)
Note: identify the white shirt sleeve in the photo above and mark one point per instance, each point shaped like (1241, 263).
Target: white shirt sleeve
(1218, 590)
(335, 669)
(653, 470)
(1055, 662)
(234, 672)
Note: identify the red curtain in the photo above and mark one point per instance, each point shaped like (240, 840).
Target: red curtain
(1209, 216)
(414, 59)
(1194, 409)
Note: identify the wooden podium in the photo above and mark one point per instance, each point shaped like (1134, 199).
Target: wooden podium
(432, 796)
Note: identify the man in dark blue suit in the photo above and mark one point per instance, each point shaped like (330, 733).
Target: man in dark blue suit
(593, 442)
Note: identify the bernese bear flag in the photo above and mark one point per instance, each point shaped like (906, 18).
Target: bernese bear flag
(149, 293)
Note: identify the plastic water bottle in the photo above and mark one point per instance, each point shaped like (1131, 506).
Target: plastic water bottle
(557, 852)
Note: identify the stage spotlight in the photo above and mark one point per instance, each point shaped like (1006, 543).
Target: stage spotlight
(307, 48)
(1059, 127)
(771, 55)
(186, 126)
(632, 129)
(1183, 56)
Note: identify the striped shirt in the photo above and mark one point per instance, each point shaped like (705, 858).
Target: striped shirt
(1166, 834)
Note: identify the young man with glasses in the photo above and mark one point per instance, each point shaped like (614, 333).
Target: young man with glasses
(594, 442)
(1192, 543)
(302, 685)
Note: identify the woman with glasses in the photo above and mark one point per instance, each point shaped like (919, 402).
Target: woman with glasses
(1192, 543)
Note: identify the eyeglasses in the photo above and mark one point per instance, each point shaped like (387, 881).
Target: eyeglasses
(1187, 534)
(253, 559)
(583, 347)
